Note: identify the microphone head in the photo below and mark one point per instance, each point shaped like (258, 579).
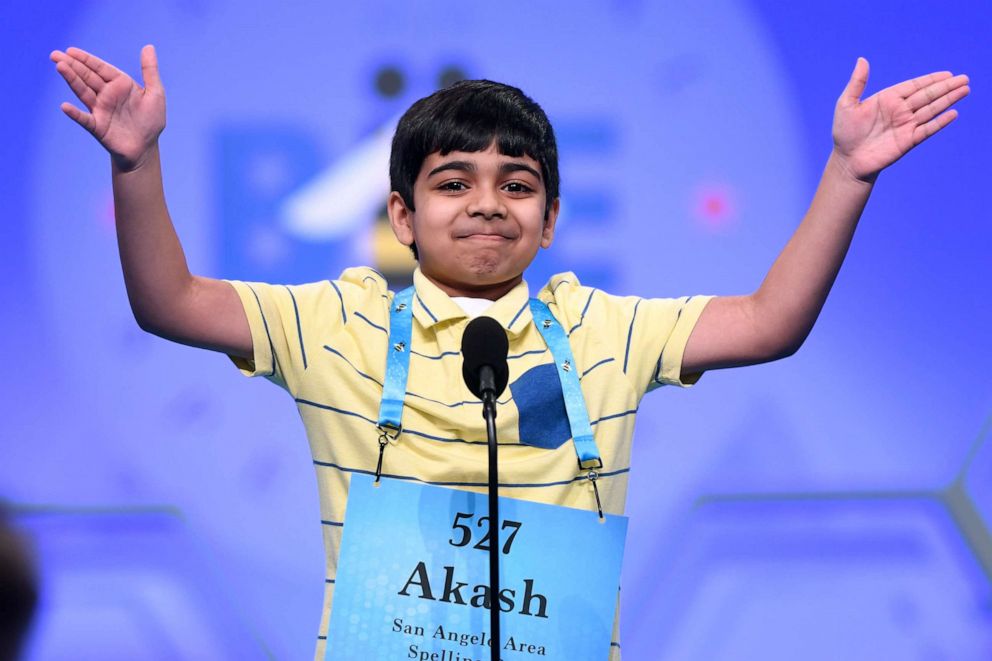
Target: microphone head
(484, 344)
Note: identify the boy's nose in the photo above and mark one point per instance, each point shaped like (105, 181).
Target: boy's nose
(486, 204)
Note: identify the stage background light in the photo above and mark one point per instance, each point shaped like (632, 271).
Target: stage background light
(833, 505)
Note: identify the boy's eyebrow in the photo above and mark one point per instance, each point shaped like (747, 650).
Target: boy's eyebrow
(468, 166)
(463, 166)
(516, 166)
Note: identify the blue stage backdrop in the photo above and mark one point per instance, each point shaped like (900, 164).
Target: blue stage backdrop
(837, 504)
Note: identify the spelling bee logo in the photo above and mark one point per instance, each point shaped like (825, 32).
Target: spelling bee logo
(284, 213)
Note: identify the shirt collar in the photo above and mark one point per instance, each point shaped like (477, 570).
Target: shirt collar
(432, 306)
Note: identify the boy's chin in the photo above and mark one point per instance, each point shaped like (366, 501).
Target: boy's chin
(477, 270)
(476, 280)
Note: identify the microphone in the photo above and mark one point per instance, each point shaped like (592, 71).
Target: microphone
(484, 348)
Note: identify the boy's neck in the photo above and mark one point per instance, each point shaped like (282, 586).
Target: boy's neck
(493, 292)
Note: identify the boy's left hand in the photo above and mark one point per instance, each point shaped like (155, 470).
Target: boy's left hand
(872, 134)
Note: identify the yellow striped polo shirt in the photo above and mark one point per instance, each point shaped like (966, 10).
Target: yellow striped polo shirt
(326, 343)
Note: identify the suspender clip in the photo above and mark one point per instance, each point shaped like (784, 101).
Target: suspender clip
(387, 435)
(593, 476)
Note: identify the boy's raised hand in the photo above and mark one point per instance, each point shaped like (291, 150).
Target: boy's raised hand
(869, 135)
(872, 134)
(124, 117)
(127, 119)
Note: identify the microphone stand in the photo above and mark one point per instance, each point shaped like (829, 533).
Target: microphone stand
(484, 347)
(489, 413)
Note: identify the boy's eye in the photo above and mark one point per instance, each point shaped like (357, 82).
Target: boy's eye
(518, 187)
(453, 186)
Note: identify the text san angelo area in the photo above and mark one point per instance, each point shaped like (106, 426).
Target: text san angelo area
(462, 639)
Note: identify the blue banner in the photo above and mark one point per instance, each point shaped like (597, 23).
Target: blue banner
(413, 577)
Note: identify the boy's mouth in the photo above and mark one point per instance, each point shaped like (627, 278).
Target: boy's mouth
(484, 236)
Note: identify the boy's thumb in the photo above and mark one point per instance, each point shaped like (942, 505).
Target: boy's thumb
(859, 79)
(149, 68)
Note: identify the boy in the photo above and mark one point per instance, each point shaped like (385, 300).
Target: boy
(474, 180)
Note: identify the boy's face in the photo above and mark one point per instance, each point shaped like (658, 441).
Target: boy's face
(479, 220)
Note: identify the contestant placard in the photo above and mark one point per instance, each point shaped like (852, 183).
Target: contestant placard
(413, 575)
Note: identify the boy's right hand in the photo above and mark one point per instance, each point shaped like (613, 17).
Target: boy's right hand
(124, 117)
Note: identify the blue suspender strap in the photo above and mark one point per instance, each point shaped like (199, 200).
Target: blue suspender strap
(575, 404)
(397, 361)
(397, 371)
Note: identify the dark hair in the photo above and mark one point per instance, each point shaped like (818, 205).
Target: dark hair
(468, 116)
(18, 590)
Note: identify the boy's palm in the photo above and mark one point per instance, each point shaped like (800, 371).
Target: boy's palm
(873, 134)
(124, 117)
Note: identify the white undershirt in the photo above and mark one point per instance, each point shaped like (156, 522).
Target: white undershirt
(473, 307)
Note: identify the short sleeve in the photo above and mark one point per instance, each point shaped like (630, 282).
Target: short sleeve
(289, 323)
(645, 336)
(661, 337)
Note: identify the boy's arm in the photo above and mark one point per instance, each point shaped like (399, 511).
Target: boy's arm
(868, 136)
(166, 298)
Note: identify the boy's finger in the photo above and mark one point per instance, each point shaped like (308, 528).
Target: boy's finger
(856, 85)
(940, 104)
(906, 88)
(84, 119)
(106, 71)
(149, 68)
(88, 76)
(934, 91)
(924, 131)
(76, 84)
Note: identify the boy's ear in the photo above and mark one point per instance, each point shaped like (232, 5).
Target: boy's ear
(548, 234)
(400, 218)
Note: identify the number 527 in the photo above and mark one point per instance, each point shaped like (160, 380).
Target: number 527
(465, 532)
